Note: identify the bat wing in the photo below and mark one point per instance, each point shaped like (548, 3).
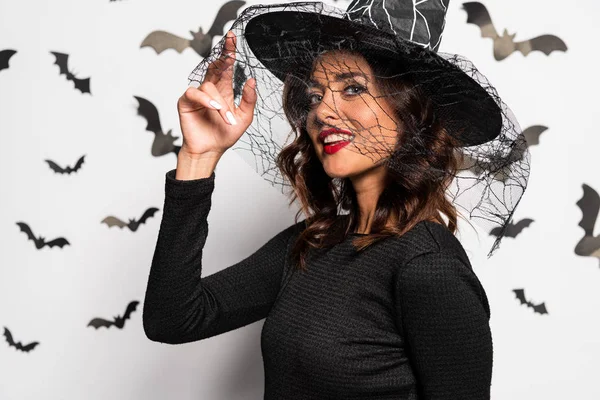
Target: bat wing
(79, 163)
(239, 78)
(82, 84)
(589, 204)
(147, 110)
(478, 14)
(25, 228)
(147, 214)
(60, 242)
(113, 221)
(520, 293)
(100, 322)
(532, 134)
(8, 337)
(519, 226)
(62, 60)
(161, 41)
(55, 167)
(540, 308)
(131, 307)
(544, 43)
(227, 12)
(5, 56)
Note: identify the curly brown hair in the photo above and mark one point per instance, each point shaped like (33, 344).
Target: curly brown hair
(409, 197)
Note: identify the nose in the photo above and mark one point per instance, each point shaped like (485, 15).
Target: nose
(328, 108)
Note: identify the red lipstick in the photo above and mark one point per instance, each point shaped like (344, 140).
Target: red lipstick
(331, 148)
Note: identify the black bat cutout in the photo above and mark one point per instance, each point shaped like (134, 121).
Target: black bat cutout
(5, 56)
(538, 308)
(117, 321)
(41, 242)
(62, 60)
(18, 345)
(67, 170)
(132, 224)
(505, 45)
(532, 134)
(163, 142)
(589, 204)
(201, 42)
(512, 230)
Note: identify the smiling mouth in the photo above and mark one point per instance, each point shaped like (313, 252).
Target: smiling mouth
(333, 135)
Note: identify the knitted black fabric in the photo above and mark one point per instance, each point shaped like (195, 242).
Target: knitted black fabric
(405, 319)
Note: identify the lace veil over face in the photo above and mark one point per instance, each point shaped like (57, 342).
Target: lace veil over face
(289, 42)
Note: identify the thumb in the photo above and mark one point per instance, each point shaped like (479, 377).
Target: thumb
(249, 98)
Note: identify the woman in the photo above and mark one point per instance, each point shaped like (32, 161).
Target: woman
(371, 296)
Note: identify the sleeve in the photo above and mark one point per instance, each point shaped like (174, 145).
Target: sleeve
(444, 315)
(179, 305)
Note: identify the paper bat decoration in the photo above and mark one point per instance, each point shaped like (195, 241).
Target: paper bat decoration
(163, 142)
(18, 345)
(532, 134)
(5, 56)
(589, 204)
(117, 321)
(62, 60)
(56, 168)
(132, 224)
(512, 230)
(201, 42)
(505, 45)
(41, 242)
(499, 166)
(538, 308)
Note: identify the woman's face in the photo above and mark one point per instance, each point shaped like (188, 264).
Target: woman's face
(348, 107)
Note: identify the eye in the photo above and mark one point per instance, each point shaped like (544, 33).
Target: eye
(311, 97)
(355, 89)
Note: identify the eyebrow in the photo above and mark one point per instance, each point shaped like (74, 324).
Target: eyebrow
(338, 77)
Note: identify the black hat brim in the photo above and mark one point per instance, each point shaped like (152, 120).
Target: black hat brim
(279, 39)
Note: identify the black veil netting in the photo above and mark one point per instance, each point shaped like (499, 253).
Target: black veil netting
(275, 42)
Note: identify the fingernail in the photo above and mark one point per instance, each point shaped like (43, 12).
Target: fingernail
(215, 105)
(231, 118)
(194, 84)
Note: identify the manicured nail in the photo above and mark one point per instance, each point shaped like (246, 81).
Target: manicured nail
(215, 105)
(194, 84)
(231, 118)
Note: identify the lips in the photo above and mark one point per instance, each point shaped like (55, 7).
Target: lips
(333, 147)
(332, 131)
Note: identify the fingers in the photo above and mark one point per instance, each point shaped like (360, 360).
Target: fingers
(225, 60)
(249, 98)
(208, 96)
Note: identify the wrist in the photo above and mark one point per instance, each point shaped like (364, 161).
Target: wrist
(196, 166)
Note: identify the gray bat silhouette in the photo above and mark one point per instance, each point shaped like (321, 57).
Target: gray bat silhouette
(505, 45)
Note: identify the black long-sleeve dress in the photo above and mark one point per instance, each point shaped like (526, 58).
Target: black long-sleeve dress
(405, 319)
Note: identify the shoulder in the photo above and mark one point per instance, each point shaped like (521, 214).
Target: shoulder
(439, 266)
(432, 238)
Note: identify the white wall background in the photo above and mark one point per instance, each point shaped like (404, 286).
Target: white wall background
(50, 295)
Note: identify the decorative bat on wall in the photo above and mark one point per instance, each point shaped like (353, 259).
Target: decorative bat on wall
(201, 42)
(505, 45)
(41, 242)
(67, 170)
(62, 60)
(118, 321)
(538, 308)
(589, 204)
(512, 230)
(500, 166)
(132, 224)
(5, 56)
(163, 143)
(18, 345)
